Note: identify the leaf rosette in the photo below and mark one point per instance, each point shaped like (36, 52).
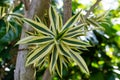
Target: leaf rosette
(57, 45)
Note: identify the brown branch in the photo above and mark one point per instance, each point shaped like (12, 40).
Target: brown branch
(92, 8)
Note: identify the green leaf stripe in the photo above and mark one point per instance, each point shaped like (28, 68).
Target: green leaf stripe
(71, 21)
(39, 53)
(37, 19)
(92, 22)
(79, 60)
(76, 28)
(64, 50)
(74, 42)
(2, 11)
(74, 34)
(35, 40)
(26, 40)
(40, 61)
(54, 57)
(54, 19)
(82, 18)
(39, 26)
(16, 15)
(41, 40)
(59, 66)
(60, 23)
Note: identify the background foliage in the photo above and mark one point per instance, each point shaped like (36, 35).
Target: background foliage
(103, 59)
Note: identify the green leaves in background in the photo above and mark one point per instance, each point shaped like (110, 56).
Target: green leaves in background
(57, 44)
(6, 15)
(10, 31)
(5, 3)
(10, 26)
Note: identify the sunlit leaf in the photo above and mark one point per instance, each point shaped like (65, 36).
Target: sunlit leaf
(53, 19)
(39, 53)
(74, 42)
(79, 60)
(54, 57)
(35, 40)
(71, 21)
(39, 26)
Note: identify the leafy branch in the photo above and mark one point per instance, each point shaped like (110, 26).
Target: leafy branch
(92, 8)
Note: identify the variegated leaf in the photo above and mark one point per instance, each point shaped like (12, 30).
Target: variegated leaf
(39, 26)
(54, 19)
(59, 66)
(16, 15)
(75, 34)
(74, 42)
(39, 53)
(63, 50)
(40, 61)
(36, 40)
(80, 62)
(72, 21)
(37, 19)
(75, 28)
(82, 19)
(54, 57)
(60, 23)
(92, 22)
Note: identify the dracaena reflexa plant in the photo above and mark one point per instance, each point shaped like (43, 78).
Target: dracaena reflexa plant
(56, 45)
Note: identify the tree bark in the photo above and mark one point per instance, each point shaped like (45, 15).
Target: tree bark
(39, 8)
(67, 9)
(47, 75)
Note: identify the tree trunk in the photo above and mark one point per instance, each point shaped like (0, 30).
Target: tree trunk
(47, 75)
(39, 8)
(67, 9)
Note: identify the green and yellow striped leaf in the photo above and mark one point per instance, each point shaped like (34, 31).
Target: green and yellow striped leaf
(82, 19)
(80, 62)
(2, 12)
(75, 28)
(59, 66)
(39, 53)
(54, 57)
(39, 26)
(40, 61)
(92, 22)
(37, 19)
(60, 23)
(75, 34)
(16, 15)
(72, 21)
(74, 42)
(36, 40)
(63, 50)
(54, 19)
